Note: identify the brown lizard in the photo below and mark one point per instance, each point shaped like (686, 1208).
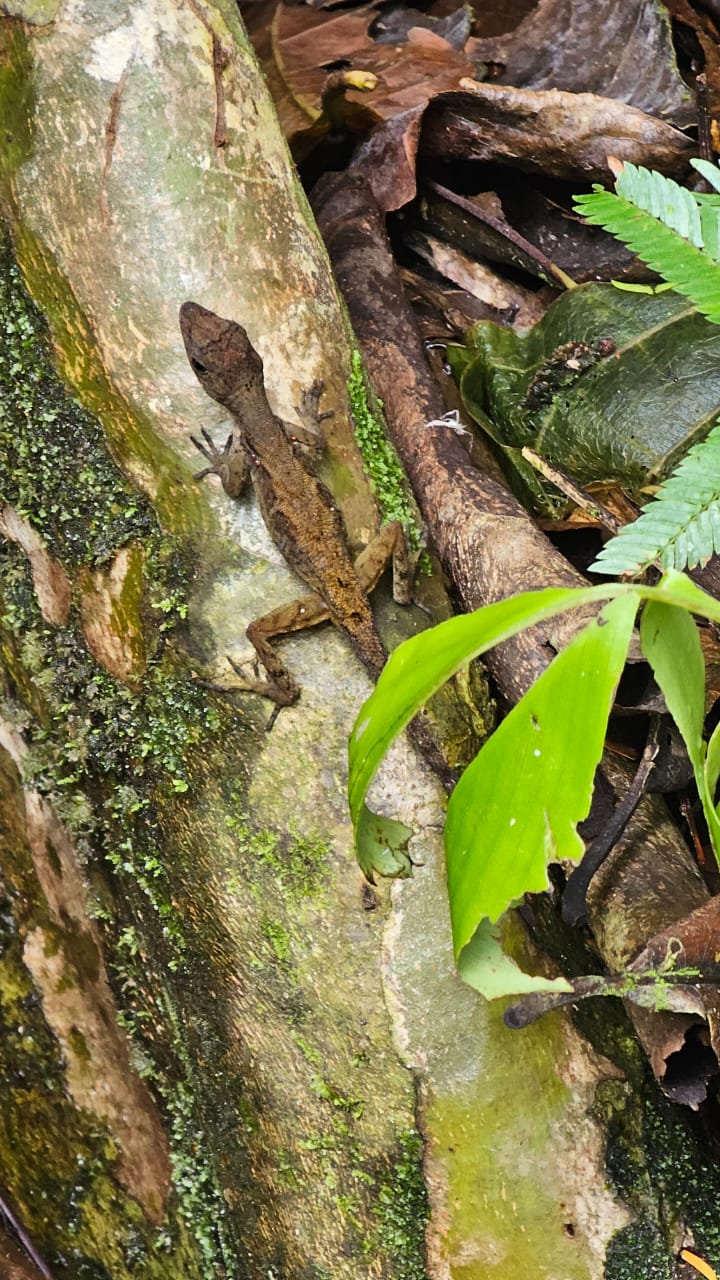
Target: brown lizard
(300, 513)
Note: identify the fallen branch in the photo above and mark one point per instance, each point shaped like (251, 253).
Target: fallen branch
(491, 549)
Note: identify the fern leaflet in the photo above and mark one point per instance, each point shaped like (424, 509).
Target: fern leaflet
(665, 199)
(680, 528)
(686, 267)
(694, 215)
(710, 173)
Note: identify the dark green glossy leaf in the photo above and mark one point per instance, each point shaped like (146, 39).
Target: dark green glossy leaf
(609, 385)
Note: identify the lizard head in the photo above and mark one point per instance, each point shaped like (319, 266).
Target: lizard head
(220, 352)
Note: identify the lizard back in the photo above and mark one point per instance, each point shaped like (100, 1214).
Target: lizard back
(298, 510)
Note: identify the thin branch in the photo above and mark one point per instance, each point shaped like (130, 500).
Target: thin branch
(548, 268)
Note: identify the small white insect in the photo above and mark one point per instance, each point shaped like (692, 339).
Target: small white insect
(451, 420)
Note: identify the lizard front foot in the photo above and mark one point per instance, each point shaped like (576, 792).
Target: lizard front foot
(228, 463)
(209, 450)
(310, 435)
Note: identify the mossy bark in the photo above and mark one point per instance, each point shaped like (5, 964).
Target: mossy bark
(208, 1018)
(207, 1083)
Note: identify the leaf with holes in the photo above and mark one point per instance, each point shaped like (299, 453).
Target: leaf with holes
(609, 385)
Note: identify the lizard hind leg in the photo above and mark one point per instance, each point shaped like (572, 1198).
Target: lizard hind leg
(307, 431)
(279, 685)
(309, 611)
(389, 544)
(309, 412)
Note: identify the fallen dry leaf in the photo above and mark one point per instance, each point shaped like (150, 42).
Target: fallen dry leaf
(686, 1063)
(552, 133)
(699, 29)
(305, 41)
(621, 49)
(692, 942)
(502, 295)
(387, 159)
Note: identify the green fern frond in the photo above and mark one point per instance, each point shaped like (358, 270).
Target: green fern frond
(694, 215)
(665, 199)
(677, 233)
(709, 172)
(680, 528)
(682, 264)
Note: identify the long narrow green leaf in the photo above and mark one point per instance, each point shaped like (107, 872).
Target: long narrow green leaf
(712, 764)
(671, 644)
(680, 528)
(420, 666)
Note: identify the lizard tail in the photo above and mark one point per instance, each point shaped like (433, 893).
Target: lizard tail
(369, 647)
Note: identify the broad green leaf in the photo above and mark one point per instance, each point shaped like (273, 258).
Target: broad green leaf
(420, 666)
(671, 644)
(608, 385)
(518, 804)
(517, 807)
(485, 966)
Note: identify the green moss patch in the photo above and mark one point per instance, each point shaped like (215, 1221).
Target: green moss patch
(403, 1211)
(658, 1161)
(381, 463)
(16, 105)
(119, 763)
(57, 1160)
(55, 466)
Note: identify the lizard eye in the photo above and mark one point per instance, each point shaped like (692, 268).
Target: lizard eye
(197, 367)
